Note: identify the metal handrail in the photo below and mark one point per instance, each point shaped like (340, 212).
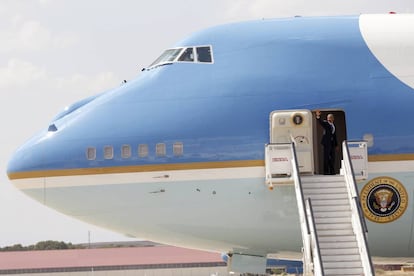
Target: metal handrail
(299, 183)
(361, 214)
(350, 177)
(307, 241)
(353, 192)
(314, 235)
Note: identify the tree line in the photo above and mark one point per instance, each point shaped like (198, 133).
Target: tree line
(42, 245)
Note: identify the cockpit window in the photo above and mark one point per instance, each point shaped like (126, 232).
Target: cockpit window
(187, 55)
(166, 57)
(193, 54)
(204, 54)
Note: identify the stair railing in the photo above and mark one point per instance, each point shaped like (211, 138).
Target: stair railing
(311, 253)
(358, 220)
(318, 266)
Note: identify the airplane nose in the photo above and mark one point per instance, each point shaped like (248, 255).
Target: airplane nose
(26, 160)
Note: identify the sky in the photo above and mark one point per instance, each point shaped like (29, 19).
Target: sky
(56, 52)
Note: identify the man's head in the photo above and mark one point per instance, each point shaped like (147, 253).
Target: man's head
(330, 118)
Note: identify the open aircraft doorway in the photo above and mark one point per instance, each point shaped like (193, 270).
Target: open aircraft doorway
(340, 129)
(302, 127)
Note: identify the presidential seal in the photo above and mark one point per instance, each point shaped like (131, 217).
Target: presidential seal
(297, 119)
(383, 199)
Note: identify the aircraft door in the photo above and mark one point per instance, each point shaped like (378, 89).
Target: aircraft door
(288, 126)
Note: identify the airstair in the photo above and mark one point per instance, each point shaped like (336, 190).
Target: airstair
(332, 223)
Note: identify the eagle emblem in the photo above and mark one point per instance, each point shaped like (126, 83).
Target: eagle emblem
(383, 200)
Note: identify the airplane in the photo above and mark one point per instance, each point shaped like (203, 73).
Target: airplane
(178, 154)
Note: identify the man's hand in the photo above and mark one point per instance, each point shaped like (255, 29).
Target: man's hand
(318, 113)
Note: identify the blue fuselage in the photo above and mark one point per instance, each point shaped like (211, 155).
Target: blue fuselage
(220, 111)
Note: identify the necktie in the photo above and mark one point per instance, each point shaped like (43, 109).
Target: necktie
(332, 128)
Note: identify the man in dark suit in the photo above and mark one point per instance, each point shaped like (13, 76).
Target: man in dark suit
(329, 142)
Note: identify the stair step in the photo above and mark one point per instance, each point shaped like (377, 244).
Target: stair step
(333, 190)
(326, 196)
(330, 233)
(342, 264)
(338, 245)
(330, 220)
(344, 271)
(324, 185)
(340, 258)
(319, 185)
(335, 208)
(322, 178)
(345, 238)
(339, 251)
(331, 214)
(333, 226)
(330, 202)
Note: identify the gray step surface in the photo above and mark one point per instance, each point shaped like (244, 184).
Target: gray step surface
(344, 271)
(335, 208)
(330, 233)
(332, 190)
(329, 202)
(341, 238)
(333, 226)
(338, 245)
(332, 220)
(335, 251)
(325, 196)
(331, 214)
(340, 258)
(322, 178)
(342, 264)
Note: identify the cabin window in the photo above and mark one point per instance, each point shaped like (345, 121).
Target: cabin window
(126, 151)
(142, 150)
(178, 149)
(91, 153)
(160, 150)
(108, 152)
